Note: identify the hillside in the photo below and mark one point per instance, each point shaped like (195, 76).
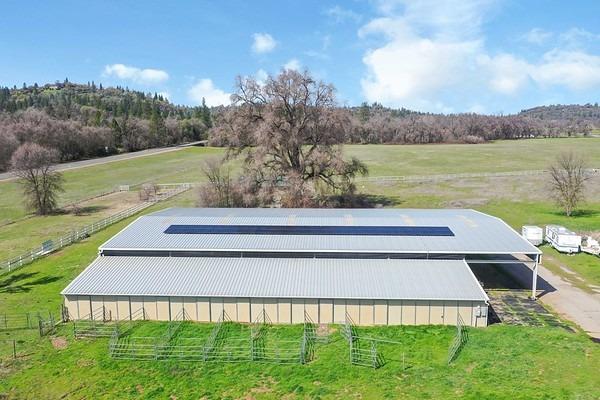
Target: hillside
(87, 120)
(588, 113)
(83, 121)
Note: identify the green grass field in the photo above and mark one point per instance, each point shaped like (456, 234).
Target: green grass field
(499, 362)
(533, 154)
(177, 166)
(503, 362)
(383, 160)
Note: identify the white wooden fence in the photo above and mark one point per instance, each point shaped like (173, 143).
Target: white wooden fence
(53, 245)
(445, 177)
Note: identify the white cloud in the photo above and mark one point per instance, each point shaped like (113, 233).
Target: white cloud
(293, 64)
(431, 52)
(339, 14)
(430, 47)
(261, 76)
(145, 76)
(577, 37)
(263, 43)
(575, 70)
(537, 36)
(406, 70)
(508, 74)
(206, 89)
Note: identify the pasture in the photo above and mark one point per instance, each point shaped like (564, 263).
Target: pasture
(502, 361)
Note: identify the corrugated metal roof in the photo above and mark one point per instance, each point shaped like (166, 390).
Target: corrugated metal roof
(278, 277)
(475, 232)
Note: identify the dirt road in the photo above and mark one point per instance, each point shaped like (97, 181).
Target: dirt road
(568, 301)
(103, 160)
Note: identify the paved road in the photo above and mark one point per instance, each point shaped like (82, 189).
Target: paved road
(103, 160)
(568, 301)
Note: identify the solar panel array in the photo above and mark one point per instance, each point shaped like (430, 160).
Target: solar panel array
(309, 230)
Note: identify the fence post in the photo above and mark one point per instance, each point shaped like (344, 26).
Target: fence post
(14, 349)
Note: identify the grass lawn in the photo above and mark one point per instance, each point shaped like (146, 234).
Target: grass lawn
(505, 362)
(22, 235)
(531, 154)
(176, 166)
(383, 160)
(499, 362)
(582, 270)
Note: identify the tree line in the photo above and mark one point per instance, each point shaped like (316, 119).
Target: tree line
(376, 124)
(85, 121)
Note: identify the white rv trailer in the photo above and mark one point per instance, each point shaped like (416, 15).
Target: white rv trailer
(590, 245)
(534, 234)
(562, 239)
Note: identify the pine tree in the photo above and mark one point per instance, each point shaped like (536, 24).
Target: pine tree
(206, 117)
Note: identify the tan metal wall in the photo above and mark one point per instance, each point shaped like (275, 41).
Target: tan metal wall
(285, 311)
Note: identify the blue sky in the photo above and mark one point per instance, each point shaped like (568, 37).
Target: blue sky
(492, 56)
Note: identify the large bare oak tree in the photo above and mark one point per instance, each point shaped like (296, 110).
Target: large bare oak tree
(289, 132)
(33, 164)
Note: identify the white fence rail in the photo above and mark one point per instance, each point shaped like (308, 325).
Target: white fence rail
(53, 245)
(444, 177)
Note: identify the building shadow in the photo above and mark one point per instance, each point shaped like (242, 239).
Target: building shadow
(23, 282)
(513, 276)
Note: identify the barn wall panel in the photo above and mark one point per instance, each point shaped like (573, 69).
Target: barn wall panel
(243, 310)
(191, 310)
(284, 311)
(150, 307)
(230, 307)
(395, 312)
(257, 306)
(366, 312)
(176, 304)
(123, 308)
(297, 311)
(270, 306)
(311, 306)
(339, 311)
(163, 309)
(137, 304)
(409, 314)
(325, 311)
(203, 309)
(450, 312)
(422, 312)
(216, 308)
(353, 310)
(436, 312)
(84, 307)
(380, 316)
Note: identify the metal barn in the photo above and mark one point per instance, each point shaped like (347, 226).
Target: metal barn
(378, 266)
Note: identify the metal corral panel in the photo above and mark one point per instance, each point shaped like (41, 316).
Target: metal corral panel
(277, 277)
(474, 232)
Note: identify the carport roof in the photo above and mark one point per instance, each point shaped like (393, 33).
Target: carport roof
(472, 232)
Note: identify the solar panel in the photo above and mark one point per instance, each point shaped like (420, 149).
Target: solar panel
(309, 230)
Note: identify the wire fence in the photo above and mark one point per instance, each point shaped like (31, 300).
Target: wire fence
(460, 340)
(9, 348)
(365, 350)
(44, 321)
(183, 340)
(52, 245)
